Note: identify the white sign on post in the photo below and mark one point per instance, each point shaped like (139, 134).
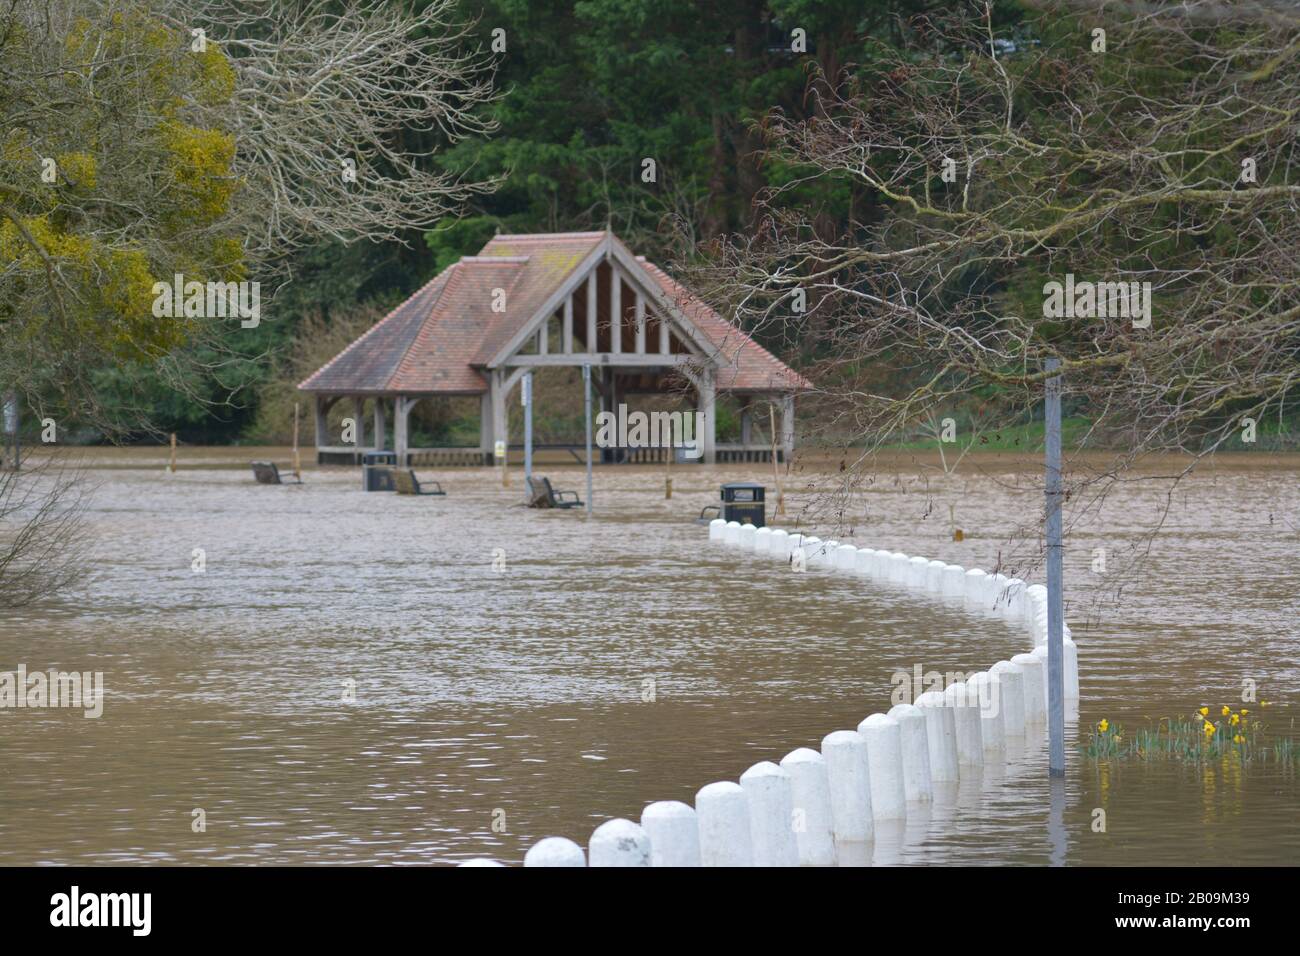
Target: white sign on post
(500, 449)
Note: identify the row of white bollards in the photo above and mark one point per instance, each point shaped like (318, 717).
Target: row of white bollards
(799, 811)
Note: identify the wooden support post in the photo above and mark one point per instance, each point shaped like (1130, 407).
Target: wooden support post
(615, 310)
(776, 471)
(568, 325)
(708, 405)
(359, 416)
(401, 412)
(640, 323)
(592, 346)
(172, 466)
(381, 424)
(297, 458)
(787, 427)
(665, 344)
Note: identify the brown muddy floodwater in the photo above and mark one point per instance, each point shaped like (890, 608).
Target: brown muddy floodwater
(515, 696)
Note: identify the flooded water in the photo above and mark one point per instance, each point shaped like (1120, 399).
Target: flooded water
(368, 678)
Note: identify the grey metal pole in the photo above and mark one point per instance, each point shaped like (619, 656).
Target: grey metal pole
(1055, 596)
(526, 396)
(586, 384)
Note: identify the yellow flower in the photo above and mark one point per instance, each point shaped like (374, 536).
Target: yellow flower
(1236, 719)
(1209, 728)
(1104, 725)
(1204, 711)
(1244, 712)
(1226, 710)
(1238, 739)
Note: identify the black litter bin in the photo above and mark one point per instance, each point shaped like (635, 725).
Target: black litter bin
(742, 501)
(377, 471)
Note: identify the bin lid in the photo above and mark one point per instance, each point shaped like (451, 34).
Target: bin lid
(743, 484)
(378, 456)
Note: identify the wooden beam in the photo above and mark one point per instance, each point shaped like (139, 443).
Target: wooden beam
(544, 337)
(664, 347)
(591, 311)
(621, 359)
(640, 323)
(568, 326)
(615, 310)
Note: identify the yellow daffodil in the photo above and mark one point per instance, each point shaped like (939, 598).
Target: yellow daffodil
(1209, 728)
(1244, 712)
(1104, 725)
(1226, 710)
(1236, 719)
(1204, 712)
(1238, 739)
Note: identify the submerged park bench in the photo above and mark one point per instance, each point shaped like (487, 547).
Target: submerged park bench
(267, 473)
(542, 495)
(405, 483)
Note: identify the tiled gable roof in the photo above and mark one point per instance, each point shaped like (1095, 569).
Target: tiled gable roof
(439, 339)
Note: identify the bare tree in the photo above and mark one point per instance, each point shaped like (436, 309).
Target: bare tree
(42, 531)
(140, 139)
(1112, 184)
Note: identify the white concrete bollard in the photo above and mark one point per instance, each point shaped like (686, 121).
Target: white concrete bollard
(619, 843)
(973, 588)
(863, 562)
(934, 576)
(1013, 599)
(762, 538)
(818, 557)
(1035, 702)
(916, 752)
(480, 861)
(717, 528)
(845, 557)
(1011, 693)
(990, 706)
(954, 581)
(779, 545)
(848, 772)
(722, 811)
(811, 790)
(966, 720)
(746, 539)
(940, 736)
(1041, 653)
(897, 573)
(674, 833)
(885, 759)
(810, 545)
(1035, 602)
(771, 814)
(878, 566)
(731, 533)
(555, 851)
(917, 572)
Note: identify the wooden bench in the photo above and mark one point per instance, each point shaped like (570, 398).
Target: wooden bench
(542, 495)
(267, 473)
(405, 483)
